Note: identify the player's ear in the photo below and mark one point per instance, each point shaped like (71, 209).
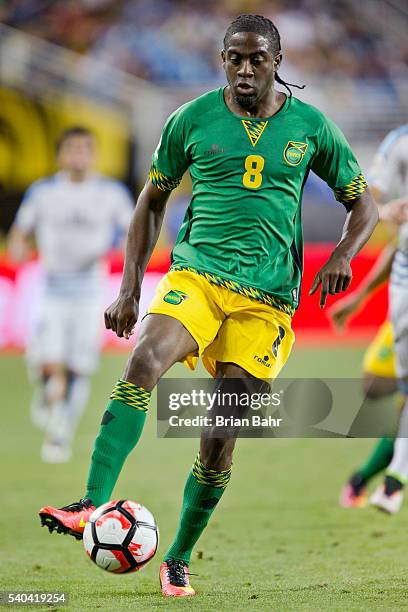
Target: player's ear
(223, 56)
(277, 61)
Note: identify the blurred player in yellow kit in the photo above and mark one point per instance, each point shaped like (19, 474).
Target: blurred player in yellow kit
(379, 374)
(389, 178)
(386, 366)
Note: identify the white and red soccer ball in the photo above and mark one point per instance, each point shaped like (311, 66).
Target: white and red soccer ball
(121, 536)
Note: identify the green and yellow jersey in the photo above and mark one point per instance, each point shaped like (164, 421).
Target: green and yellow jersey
(243, 227)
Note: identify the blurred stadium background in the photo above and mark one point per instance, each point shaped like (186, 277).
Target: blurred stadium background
(120, 67)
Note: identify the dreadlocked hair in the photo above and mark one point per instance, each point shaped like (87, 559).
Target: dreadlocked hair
(264, 27)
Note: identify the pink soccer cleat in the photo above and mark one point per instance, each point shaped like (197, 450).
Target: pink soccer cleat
(174, 579)
(69, 519)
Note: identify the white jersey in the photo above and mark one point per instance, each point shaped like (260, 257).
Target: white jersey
(389, 174)
(75, 225)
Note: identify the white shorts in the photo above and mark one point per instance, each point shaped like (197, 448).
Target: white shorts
(399, 316)
(68, 330)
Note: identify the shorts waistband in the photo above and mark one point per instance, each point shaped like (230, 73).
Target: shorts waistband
(250, 292)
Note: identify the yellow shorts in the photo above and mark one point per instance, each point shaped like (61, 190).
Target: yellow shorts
(379, 358)
(227, 326)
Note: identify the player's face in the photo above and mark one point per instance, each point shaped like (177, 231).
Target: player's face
(250, 65)
(76, 154)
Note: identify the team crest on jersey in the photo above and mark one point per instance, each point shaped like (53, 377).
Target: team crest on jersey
(175, 297)
(294, 152)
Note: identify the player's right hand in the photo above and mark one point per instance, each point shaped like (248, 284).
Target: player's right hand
(342, 310)
(121, 316)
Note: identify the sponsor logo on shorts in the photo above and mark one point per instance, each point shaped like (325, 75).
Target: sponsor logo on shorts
(385, 353)
(175, 297)
(264, 360)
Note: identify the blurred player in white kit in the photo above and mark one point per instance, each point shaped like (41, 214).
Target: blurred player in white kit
(389, 178)
(73, 216)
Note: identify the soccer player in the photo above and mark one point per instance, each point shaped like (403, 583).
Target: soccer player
(73, 216)
(235, 277)
(390, 178)
(379, 374)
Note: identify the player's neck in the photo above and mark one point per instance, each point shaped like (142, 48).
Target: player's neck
(77, 176)
(267, 107)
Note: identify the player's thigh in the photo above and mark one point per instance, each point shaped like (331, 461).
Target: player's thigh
(379, 358)
(375, 386)
(401, 349)
(191, 300)
(47, 342)
(258, 338)
(162, 341)
(83, 335)
(399, 316)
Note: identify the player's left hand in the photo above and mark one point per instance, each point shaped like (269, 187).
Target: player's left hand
(334, 277)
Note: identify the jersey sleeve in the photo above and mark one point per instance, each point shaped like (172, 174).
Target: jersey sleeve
(170, 160)
(336, 164)
(389, 164)
(27, 214)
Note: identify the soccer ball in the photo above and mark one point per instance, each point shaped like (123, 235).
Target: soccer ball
(121, 536)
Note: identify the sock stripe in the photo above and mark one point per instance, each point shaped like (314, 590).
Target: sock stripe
(398, 477)
(208, 476)
(131, 394)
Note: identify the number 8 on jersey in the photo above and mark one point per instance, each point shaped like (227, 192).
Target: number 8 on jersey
(252, 178)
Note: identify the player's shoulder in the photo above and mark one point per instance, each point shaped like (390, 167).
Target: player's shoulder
(396, 138)
(111, 185)
(41, 185)
(108, 182)
(307, 112)
(193, 110)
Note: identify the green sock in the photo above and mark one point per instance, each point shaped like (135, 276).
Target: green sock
(202, 492)
(379, 458)
(121, 427)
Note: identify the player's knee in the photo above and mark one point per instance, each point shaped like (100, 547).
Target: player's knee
(144, 366)
(370, 388)
(55, 383)
(52, 369)
(375, 387)
(403, 385)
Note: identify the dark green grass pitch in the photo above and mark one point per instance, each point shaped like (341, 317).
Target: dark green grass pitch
(278, 540)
